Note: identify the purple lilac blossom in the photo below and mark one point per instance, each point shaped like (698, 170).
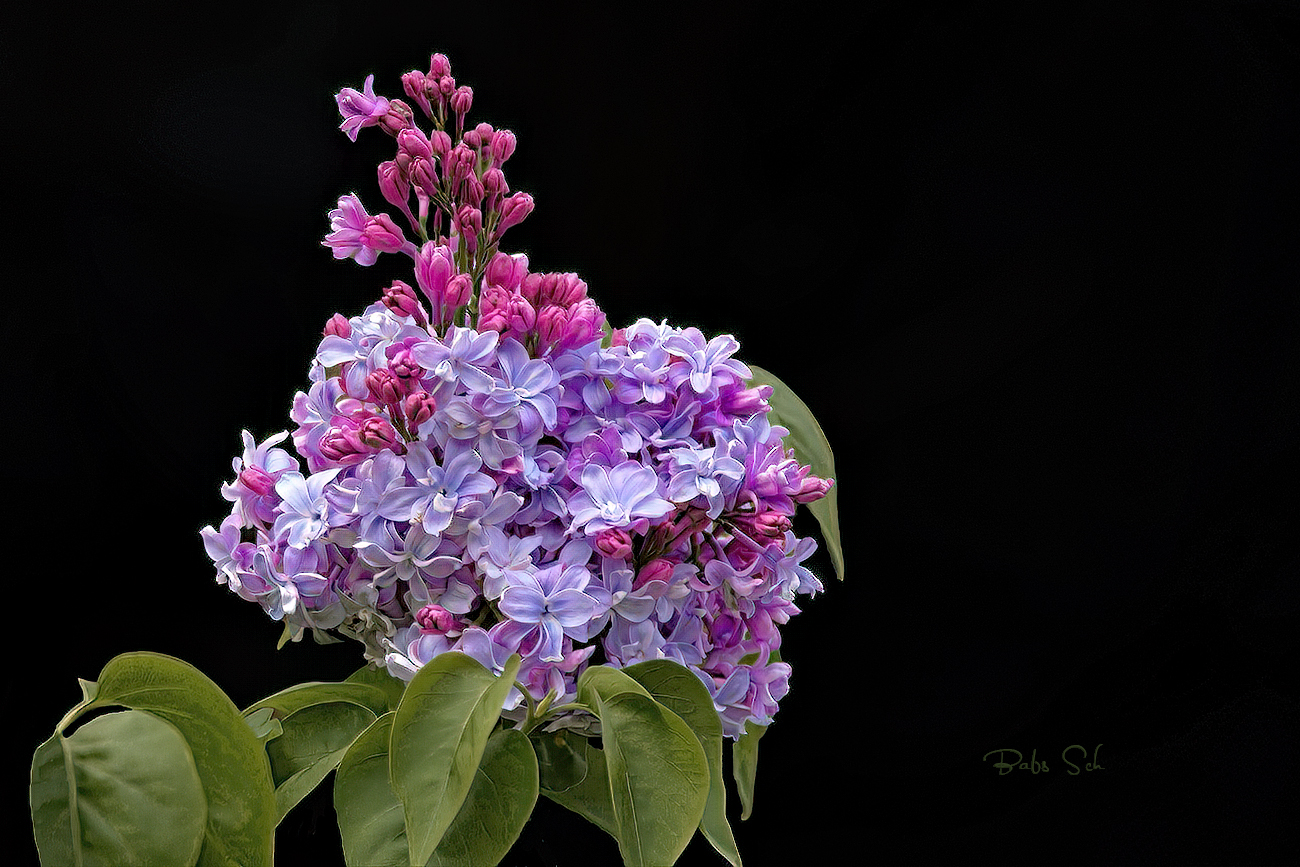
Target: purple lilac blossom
(493, 476)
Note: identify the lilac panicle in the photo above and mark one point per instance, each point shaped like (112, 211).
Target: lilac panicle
(480, 469)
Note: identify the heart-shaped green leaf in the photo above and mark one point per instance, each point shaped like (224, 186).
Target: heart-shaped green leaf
(370, 816)
(676, 688)
(391, 687)
(122, 789)
(658, 773)
(440, 730)
(299, 696)
(498, 805)
(311, 745)
(810, 447)
(589, 794)
(230, 759)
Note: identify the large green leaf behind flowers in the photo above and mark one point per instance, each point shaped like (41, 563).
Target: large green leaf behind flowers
(811, 447)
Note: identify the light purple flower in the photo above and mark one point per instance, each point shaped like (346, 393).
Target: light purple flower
(306, 514)
(437, 490)
(360, 109)
(625, 496)
(552, 601)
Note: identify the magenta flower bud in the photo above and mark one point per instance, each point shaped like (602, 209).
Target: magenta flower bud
(484, 132)
(415, 85)
(507, 271)
(459, 288)
(382, 234)
(552, 326)
(402, 363)
(400, 298)
(396, 187)
(257, 480)
(531, 287)
(812, 489)
(377, 433)
(503, 146)
(471, 139)
(436, 620)
(614, 543)
(514, 210)
(398, 117)
(419, 407)
(461, 161)
(494, 186)
(565, 291)
(341, 445)
(469, 222)
(386, 387)
(763, 525)
(494, 299)
(471, 191)
(414, 143)
(338, 326)
(659, 569)
(433, 268)
(439, 66)
(520, 316)
(440, 143)
(446, 86)
(462, 99)
(586, 322)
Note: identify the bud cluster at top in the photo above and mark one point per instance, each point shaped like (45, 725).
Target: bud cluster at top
(482, 467)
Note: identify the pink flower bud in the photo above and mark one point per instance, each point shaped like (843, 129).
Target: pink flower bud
(402, 363)
(472, 192)
(377, 433)
(400, 298)
(415, 85)
(433, 268)
(446, 86)
(436, 620)
(398, 117)
(440, 143)
(503, 146)
(586, 323)
(565, 291)
(614, 543)
(469, 222)
(459, 288)
(531, 287)
(419, 407)
(494, 186)
(552, 326)
(414, 143)
(257, 480)
(812, 489)
(338, 326)
(659, 569)
(462, 99)
(461, 161)
(439, 66)
(763, 526)
(382, 234)
(514, 210)
(507, 271)
(385, 387)
(520, 316)
(396, 187)
(341, 445)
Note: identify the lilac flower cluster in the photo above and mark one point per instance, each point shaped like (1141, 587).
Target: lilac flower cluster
(483, 467)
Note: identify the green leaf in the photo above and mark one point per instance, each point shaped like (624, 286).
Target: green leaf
(811, 448)
(264, 724)
(122, 789)
(370, 816)
(231, 761)
(657, 770)
(391, 687)
(498, 805)
(744, 766)
(589, 796)
(312, 744)
(677, 689)
(302, 695)
(439, 733)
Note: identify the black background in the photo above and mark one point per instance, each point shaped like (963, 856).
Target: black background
(1035, 269)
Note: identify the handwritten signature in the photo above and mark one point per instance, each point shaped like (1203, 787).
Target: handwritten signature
(1039, 766)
